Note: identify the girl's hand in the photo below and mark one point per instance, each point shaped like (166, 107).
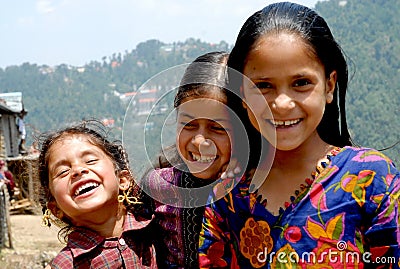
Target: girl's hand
(228, 179)
(231, 169)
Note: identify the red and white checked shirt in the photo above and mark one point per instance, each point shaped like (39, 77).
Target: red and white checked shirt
(87, 249)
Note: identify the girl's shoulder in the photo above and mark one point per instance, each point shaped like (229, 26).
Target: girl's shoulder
(361, 155)
(64, 259)
(163, 175)
(361, 161)
(160, 181)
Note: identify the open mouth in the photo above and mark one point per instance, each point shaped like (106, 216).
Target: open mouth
(86, 188)
(284, 123)
(203, 159)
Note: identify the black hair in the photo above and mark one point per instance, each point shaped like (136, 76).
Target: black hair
(206, 76)
(97, 134)
(303, 21)
(202, 77)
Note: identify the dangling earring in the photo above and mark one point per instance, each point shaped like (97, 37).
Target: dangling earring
(46, 219)
(129, 199)
(50, 218)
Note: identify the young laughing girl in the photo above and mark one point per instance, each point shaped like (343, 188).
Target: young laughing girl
(89, 190)
(204, 145)
(322, 203)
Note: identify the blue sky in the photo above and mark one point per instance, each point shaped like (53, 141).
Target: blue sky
(76, 32)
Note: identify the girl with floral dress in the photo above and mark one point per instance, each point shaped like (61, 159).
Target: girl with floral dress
(321, 203)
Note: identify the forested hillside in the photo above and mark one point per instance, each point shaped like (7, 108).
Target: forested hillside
(368, 31)
(62, 94)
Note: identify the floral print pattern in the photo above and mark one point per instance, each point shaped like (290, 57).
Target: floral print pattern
(255, 238)
(350, 208)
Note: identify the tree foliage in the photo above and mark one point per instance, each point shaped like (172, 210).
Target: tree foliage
(368, 31)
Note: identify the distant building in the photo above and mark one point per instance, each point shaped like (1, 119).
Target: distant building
(146, 99)
(9, 135)
(142, 102)
(11, 106)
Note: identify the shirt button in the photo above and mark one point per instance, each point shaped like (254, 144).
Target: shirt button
(121, 242)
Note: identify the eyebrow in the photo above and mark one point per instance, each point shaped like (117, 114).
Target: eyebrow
(194, 118)
(52, 169)
(258, 78)
(295, 76)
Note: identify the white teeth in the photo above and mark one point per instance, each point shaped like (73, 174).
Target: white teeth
(199, 158)
(278, 123)
(84, 186)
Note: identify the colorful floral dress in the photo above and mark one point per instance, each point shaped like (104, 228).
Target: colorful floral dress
(347, 216)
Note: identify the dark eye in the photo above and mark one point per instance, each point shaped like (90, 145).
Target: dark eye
(218, 128)
(301, 82)
(263, 85)
(188, 125)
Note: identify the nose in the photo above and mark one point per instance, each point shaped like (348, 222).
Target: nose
(283, 102)
(204, 145)
(200, 140)
(79, 170)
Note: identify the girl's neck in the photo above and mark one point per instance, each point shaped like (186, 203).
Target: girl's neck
(107, 226)
(308, 153)
(289, 170)
(115, 227)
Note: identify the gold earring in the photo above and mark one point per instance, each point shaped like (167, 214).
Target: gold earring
(129, 199)
(46, 219)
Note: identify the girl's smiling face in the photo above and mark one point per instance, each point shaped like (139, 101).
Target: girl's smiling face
(204, 134)
(290, 90)
(82, 179)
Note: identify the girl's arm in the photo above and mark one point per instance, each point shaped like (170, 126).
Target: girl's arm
(383, 235)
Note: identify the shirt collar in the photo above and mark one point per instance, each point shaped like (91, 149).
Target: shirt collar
(83, 240)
